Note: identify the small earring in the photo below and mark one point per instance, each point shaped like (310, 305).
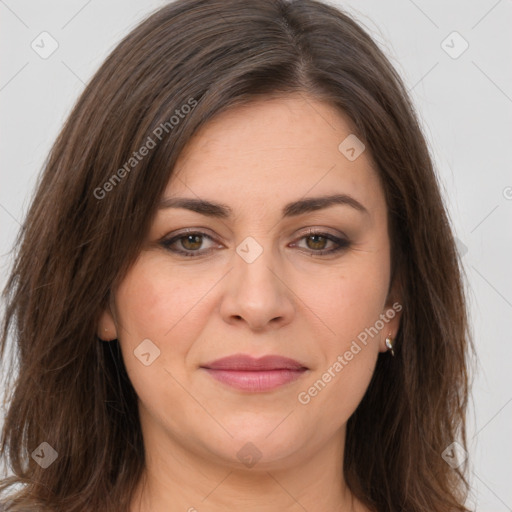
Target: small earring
(389, 344)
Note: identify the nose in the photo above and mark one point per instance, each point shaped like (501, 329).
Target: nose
(257, 294)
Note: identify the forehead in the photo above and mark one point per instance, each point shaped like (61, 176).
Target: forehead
(281, 147)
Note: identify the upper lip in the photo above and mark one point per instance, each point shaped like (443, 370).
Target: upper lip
(243, 362)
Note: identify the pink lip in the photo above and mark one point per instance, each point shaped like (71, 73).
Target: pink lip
(255, 375)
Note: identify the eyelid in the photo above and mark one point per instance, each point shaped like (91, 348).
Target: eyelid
(321, 231)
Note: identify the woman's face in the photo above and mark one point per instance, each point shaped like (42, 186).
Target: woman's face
(252, 280)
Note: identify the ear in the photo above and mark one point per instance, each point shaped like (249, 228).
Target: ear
(107, 330)
(392, 313)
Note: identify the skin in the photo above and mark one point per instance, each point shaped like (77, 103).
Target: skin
(289, 301)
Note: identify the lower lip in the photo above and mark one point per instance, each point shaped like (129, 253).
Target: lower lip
(255, 381)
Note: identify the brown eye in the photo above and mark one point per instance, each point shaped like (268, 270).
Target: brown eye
(189, 244)
(317, 243)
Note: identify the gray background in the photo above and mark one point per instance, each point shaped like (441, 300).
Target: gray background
(465, 105)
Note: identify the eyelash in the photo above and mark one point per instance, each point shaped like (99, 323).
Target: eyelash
(342, 244)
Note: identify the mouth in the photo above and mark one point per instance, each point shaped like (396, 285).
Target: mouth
(246, 373)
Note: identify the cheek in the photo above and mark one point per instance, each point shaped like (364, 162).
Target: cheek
(348, 299)
(350, 303)
(169, 307)
(155, 302)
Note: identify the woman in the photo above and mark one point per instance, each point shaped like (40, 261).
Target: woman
(237, 287)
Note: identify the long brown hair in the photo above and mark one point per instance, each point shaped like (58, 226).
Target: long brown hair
(92, 209)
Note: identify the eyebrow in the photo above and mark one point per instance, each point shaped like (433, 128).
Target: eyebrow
(292, 209)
